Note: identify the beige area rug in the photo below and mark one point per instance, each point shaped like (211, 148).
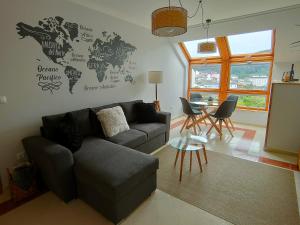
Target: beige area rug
(239, 191)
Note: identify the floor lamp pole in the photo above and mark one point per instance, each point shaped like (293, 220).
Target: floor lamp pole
(156, 91)
(156, 102)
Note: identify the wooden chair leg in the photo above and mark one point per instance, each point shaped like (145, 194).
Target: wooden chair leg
(191, 159)
(184, 124)
(204, 152)
(220, 124)
(199, 160)
(198, 124)
(209, 130)
(204, 120)
(231, 124)
(226, 123)
(194, 124)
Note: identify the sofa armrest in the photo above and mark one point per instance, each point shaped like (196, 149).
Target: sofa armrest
(165, 117)
(55, 162)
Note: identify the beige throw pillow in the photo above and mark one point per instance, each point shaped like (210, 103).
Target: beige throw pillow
(113, 121)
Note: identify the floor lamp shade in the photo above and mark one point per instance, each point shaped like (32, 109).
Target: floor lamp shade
(155, 77)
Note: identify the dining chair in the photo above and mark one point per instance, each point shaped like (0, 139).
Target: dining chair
(222, 114)
(234, 98)
(196, 97)
(191, 113)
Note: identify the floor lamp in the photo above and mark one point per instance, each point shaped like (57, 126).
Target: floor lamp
(155, 77)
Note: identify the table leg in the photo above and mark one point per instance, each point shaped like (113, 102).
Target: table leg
(211, 121)
(176, 158)
(181, 163)
(199, 160)
(191, 158)
(204, 152)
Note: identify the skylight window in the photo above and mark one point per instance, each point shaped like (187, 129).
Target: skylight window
(251, 43)
(192, 48)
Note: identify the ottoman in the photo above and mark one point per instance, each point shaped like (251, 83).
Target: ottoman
(113, 179)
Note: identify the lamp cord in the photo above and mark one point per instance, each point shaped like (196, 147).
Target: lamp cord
(197, 9)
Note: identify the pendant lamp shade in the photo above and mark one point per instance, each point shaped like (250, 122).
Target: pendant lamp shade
(169, 21)
(207, 47)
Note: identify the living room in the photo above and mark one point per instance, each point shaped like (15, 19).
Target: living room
(120, 69)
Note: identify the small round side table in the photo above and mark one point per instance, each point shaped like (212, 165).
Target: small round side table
(189, 143)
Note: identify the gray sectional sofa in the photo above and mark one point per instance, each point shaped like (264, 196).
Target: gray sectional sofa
(113, 175)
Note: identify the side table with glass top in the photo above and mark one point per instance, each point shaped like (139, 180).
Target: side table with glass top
(189, 143)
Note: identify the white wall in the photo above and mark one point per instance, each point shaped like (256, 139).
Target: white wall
(21, 116)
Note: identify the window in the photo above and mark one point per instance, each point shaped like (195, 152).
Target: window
(250, 76)
(243, 68)
(251, 43)
(206, 76)
(252, 101)
(192, 48)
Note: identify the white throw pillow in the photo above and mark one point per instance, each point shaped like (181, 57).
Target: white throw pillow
(113, 121)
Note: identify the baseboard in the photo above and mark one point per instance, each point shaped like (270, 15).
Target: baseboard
(158, 150)
(248, 124)
(280, 151)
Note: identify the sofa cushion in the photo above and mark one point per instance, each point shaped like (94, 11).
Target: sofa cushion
(151, 129)
(111, 169)
(130, 110)
(95, 123)
(68, 133)
(50, 123)
(130, 138)
(113, 121)
(146, 113)
(83, 119)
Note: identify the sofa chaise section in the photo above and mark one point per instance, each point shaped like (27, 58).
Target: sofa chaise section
(113, 179)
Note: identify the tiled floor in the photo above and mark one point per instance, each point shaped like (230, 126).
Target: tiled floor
(247, 143)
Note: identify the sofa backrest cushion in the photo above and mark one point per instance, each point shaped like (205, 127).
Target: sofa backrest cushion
(82, 117)
(146, 113)
(130, 111)
(69, 134)
(50, 124)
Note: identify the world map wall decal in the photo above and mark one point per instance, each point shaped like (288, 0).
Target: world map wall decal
(108, 56)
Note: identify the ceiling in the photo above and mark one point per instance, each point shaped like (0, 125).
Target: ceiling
(139, 11)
